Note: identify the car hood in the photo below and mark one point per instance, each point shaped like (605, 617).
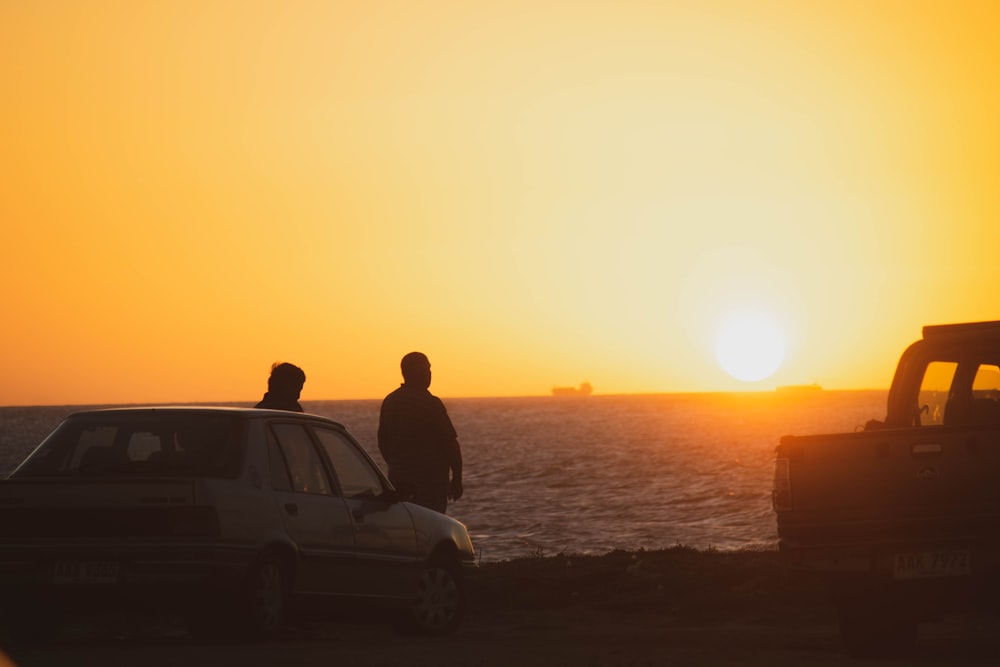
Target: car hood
(432, 528)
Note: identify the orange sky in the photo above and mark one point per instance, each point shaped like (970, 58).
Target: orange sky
(533, 193)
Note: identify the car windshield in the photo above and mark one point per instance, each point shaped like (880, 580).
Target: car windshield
(201, 445)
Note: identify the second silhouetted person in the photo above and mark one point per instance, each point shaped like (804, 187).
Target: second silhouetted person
(284, 386)
(417, 439)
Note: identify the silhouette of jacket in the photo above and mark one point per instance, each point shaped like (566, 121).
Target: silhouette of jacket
(419, 443)
(273, 402)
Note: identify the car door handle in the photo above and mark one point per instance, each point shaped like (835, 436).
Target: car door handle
(292, 509)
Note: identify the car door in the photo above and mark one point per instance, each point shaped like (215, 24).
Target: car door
(384, 538)
(316, 519)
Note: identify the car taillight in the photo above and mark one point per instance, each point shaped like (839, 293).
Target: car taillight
(781, 493)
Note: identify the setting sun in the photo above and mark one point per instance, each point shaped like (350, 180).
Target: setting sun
(750, 346)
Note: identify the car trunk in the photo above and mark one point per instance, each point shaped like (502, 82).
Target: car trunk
(102, 508)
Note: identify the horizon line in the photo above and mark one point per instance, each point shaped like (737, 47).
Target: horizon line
(241, 403)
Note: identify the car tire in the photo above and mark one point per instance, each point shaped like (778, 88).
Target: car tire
(255, 612)
(265, 598)
(439, 606)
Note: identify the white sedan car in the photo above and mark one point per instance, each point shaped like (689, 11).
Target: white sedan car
(236, 518)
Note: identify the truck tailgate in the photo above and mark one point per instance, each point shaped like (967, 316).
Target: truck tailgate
(896, 475)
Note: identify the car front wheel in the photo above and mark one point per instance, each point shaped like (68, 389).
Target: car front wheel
(439, 605)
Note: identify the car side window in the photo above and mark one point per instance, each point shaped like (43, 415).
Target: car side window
(98, 439)
(143, 444)
(304, 465)
(353, 470)
(280, 479)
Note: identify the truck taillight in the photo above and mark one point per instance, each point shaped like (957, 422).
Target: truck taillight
(781, 493)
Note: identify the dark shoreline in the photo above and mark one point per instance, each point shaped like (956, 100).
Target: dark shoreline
(689, 584)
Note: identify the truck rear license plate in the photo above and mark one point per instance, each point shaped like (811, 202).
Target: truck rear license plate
(98, 572)
(924, 564)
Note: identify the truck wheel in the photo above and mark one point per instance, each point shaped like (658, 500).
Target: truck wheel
(875, 627)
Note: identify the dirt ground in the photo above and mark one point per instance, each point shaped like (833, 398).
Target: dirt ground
(533, 639)
(672, 607)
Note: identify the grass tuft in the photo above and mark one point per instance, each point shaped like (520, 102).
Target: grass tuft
(681, 583)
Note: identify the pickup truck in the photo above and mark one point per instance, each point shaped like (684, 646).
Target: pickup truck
(902, 517)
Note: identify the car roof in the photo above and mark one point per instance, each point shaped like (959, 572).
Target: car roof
(242, 412)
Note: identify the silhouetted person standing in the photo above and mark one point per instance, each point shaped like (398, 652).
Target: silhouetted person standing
(284, 386)
(417, 439)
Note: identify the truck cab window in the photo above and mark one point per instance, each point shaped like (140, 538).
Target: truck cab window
(975, 395)
(987, 382)
(934, 389)
(986, 395)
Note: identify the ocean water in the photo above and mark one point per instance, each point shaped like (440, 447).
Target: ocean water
(588, 474)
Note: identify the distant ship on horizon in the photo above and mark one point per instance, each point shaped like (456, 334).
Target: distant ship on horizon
(585, 389)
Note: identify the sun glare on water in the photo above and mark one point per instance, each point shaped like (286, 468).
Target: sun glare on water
(749, 346)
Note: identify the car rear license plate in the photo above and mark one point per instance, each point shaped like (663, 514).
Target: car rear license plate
(925, 564)
(94, 572)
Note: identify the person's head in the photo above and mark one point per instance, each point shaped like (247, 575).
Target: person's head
(286, 380)
(416, 369)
